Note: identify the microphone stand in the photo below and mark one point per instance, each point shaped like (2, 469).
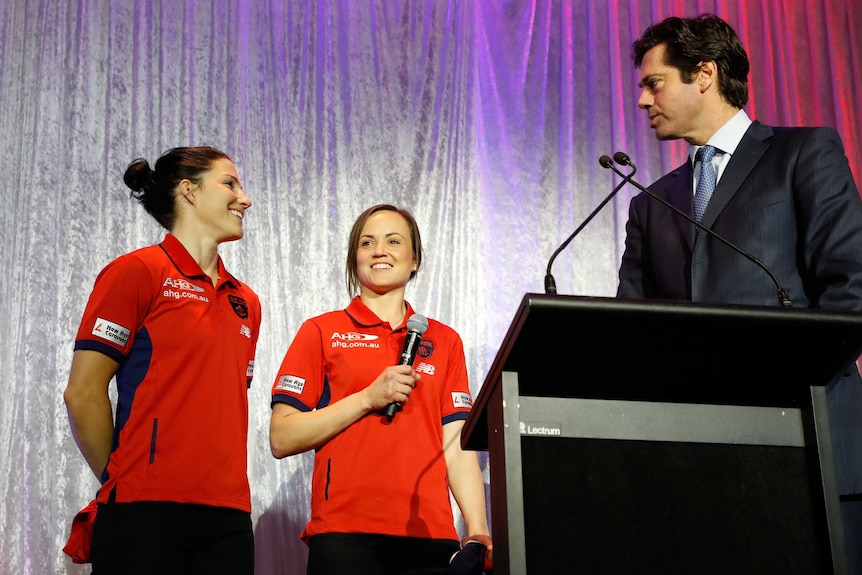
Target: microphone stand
(550, 283)
(624, 160)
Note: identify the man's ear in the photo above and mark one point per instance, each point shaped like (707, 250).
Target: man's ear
(707, 75)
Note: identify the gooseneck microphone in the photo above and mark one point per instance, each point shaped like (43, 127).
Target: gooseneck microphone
(417, 325)
(550, 283)
(624, 160)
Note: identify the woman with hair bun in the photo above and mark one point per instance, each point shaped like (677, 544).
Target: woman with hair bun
(179, 333)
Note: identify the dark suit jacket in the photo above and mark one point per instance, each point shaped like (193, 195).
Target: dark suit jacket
(787, 196)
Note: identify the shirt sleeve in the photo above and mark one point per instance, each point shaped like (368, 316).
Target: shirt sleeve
(301, 378)
(115, 311)
(456, 401)
(829, 211)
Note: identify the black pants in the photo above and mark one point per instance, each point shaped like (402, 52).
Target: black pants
(369, 554)
(171, 539)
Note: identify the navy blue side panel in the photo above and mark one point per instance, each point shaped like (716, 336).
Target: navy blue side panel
(130, 375)
(326, 396)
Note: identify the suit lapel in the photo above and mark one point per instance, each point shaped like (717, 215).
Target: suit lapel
(747, 154)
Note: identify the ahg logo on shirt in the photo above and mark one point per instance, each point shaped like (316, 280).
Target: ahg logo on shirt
(182, 284)
(353, 336)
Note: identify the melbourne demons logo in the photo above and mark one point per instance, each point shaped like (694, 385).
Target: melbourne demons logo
(239, 306)
(426, 348)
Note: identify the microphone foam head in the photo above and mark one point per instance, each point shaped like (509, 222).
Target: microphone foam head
(605, 161)
(622, 158)
(417, 323)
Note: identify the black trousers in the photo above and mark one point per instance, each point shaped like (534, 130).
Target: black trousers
(144, 538)
(371, 554)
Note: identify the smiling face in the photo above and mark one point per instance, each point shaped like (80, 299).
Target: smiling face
(220, 201)
(674, 106)
(385, 258)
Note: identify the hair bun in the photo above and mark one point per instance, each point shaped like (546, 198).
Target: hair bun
(139, 176)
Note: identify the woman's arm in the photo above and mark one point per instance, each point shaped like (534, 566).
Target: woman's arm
(466, 483)
(292, 431)
(89, 406)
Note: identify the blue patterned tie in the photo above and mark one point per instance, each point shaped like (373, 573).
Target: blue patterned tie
(706, 181)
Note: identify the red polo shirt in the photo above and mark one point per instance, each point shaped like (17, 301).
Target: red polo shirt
(186, 352)
(377, 476)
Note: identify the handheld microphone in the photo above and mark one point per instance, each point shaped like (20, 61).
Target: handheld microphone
(417, 325)
(550, 283)
(624, 160)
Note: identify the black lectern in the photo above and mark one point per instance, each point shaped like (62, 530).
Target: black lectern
(645, 436)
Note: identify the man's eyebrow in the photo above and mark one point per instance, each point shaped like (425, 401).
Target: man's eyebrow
(647, 78)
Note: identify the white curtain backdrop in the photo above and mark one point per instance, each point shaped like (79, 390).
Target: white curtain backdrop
(484, 118)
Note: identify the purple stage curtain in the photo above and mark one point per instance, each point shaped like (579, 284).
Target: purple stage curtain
(484, 118)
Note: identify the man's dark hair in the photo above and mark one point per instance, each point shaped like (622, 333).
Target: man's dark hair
(690, 42)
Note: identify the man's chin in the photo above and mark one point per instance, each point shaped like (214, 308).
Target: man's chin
(664, 136)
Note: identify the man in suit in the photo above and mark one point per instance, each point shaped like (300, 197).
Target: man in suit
(785, 195)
